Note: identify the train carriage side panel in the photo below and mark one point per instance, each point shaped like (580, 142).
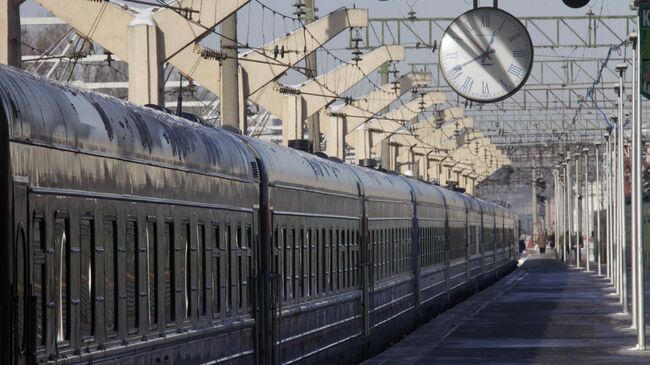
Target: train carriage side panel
(7, 352)
(488, 240)
(430, 260)
(457, 243)
(141, 235)
(316, 221)
(475, 248)
(389, 212)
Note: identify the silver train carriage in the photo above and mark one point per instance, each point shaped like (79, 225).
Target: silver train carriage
(136, 236)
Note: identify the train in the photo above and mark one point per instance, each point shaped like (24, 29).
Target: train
(134, 236)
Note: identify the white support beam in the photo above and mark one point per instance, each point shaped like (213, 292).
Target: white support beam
(259, 68)
(179, 33)
(316, 94)
(391, 125)
(335, 124)
(152, 35)
(10, 32)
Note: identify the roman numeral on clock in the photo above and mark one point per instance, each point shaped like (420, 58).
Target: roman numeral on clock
(469, 82)
(485, 89)
(519, 54)
(455, 72)
(512, 39)
(485, 21)
(516, 71)
(451, 55)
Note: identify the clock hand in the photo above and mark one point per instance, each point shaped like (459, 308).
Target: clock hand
(479, 57)
(479, 47)
(489, 49)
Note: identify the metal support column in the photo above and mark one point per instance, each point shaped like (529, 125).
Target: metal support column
(578, 220)
(633, 181)
(230, 113)
(569, 211)
(598, 198)
(637, 196)
(555, 203)
(565, 215)
(534, 203)
(586, 213)
(311, 63)
(621, 68)
(10, 33)
(608, 222)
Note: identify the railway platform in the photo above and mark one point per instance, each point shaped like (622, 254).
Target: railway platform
(545, 312)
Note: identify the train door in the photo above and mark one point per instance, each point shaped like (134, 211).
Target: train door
(268, 308)
(366, 266)
(20, 306)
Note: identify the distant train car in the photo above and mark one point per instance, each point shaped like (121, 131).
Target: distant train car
(134, 236)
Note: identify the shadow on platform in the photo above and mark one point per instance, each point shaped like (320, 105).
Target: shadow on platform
(545, 312)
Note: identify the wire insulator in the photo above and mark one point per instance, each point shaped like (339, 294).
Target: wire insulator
(209, 54)
(288, 90)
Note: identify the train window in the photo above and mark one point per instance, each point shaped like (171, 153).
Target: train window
(202, 266)
(348, 259)
(40, 279)
(323, 260)
(170, 270)
(185, 265)
(339, 264)
(110, 272)
(400, 251)
(152, 272)
(292, 260)
(331, 243)
(379, 237)
(304, 262)
(131, 276)
(277, 260)
(62, 270)
(216, 272)
(295, 267)
(314, 257)
(309, 241)
(21, 276)
(354, 258)
(287, 263)
(229, 265)
(87, 287)
(249, 268)
(239, 244)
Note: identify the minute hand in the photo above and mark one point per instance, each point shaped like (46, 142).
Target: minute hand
(480, 49)
(481, 56)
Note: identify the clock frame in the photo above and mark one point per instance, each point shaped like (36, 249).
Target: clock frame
(484, 50)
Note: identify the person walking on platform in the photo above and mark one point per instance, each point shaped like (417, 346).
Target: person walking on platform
(541, 241)
(551, 240)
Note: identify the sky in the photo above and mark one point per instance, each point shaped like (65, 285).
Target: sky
(258, 25)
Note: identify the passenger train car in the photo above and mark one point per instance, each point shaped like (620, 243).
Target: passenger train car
(134, 236)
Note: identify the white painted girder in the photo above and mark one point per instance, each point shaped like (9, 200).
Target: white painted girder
(317, 93)
(337, 122)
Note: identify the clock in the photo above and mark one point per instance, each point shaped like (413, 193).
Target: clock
(486, 55)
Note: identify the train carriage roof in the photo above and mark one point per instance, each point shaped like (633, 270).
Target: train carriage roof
(488, 208)
(455, 200)
(474, 205)
(49, 113)
(382, 186)
(293, 168)
(427, 193)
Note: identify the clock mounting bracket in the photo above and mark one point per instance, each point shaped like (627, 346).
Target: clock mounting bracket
(495, 4)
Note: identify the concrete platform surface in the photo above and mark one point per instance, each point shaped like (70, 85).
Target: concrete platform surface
(543, 313)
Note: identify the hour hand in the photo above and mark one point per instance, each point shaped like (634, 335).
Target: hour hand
(479, 57)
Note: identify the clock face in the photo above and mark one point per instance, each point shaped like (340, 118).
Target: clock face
(486, 55)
